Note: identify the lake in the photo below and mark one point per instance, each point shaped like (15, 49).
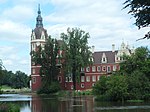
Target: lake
(47, 103)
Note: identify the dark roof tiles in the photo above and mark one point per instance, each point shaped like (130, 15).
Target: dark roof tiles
(109, 55)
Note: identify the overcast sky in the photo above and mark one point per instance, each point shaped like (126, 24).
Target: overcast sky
(105, 21)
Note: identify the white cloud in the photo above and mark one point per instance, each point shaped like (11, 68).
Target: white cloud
(18, 13)
(16, 32)
(105, 20)
(8, 62)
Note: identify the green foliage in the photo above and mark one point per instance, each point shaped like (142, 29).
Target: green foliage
(140, 60)
(132, 82)
(101, 86)
(47, 58)
(140, 9)
(15, 80)
(1, 90)
(111, 88)
(77, 53)
(21, 80)
(53, 88)
(139, 86)
(9, 107)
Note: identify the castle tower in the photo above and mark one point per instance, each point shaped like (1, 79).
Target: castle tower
(38, 37)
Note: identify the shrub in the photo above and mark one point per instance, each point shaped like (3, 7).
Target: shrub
(53, 88)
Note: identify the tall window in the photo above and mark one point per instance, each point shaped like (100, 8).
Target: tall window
(70, 79)
(98, 77)
(82, 69)
(114, 67)
(67, 79)
(82, 78)
(87, 78)
(59, 79)
(33, 71)
(98, 68)
(94, 78)
(93, 68)
(108, 69)
(34, 80)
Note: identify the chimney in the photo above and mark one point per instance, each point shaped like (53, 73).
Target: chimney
(93, 47)
(113, 47)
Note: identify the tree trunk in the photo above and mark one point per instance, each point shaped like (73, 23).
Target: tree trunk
(74, 76)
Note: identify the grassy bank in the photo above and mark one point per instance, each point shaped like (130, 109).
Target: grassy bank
(8, 90)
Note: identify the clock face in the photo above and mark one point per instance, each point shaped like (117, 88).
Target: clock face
(37, 43)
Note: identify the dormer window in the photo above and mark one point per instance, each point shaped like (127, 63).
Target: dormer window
(104, 58)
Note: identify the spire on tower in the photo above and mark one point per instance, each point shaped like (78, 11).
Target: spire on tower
(39, 11)
(39, 18)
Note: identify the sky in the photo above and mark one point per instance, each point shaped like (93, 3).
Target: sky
(106, 22)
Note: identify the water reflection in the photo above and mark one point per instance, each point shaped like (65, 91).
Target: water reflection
(45, 103)
(63, 104)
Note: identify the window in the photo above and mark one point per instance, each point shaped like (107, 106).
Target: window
(98, 68)
(108, 69)
(82, 69)
(98, 77)
(59, 79)
(87, 78)
(82, 85)
(87, 69)
(71, 86)
(67, 79)
(104, 68)
(114, 68)
(70, 79)
(94, 78)
(103, 59)
(33, 71)
(93, 68)
(34, 80)
(82, 78)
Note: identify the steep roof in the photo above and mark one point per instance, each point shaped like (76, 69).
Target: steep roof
(39, 26)
(109, 55)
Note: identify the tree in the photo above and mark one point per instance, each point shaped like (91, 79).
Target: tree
(19, 80)
(47, 58)
(140, 60)
(77, 53)
(114, 88)
(1, 74)
(140, 9)
(136, 68)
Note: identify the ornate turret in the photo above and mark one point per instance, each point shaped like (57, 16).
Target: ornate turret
(38, 38)
(39, 32)
(39, 18)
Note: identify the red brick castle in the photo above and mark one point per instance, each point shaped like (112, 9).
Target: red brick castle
(105, 62)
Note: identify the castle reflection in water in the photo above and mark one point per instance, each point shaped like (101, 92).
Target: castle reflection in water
(65, 104)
